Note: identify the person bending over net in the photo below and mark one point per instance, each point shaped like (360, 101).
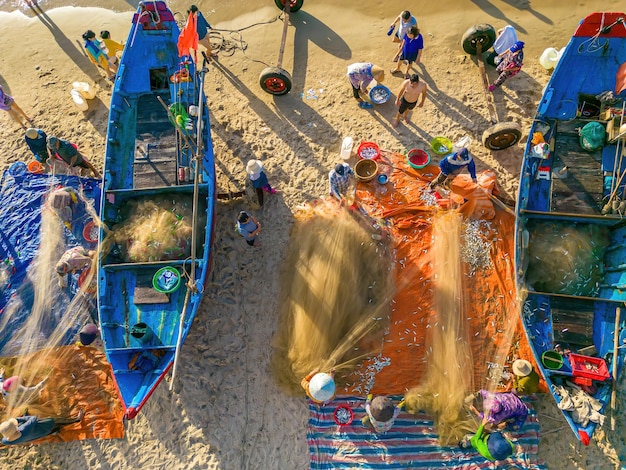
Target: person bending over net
(12, 385)
(73, 260)
(493, 446)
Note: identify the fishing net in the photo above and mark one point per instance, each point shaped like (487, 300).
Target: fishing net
(335, 293)
(40, 320)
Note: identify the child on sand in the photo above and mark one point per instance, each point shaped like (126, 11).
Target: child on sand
(97, 56)
(408, 95)
(412, 47)
(380, 413)
(112, 47)
(8, 104)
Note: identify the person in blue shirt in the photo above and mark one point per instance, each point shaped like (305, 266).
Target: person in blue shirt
(29, 428)
(248, 227)
(452, 164)
(412, 47)
(342, 182)
(36, 141)
(202, 27)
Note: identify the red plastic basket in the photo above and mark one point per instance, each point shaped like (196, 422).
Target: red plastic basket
(368, 151)
(343, 415)
(594, 368)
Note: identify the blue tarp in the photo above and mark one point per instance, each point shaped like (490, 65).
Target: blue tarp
(22, 198)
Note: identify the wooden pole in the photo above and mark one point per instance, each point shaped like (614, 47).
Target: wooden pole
(615, 360)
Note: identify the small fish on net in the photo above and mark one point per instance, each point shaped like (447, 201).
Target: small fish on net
(476, 249)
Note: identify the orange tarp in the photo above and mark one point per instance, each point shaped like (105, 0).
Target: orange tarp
(488, 294)
(77, 377)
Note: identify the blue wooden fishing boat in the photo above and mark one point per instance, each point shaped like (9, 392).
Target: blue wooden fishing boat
(159, 165)
(570, 235)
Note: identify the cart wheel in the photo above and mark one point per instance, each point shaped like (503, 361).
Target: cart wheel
(275, 81)
(502, 135)
(479, 33)
(295, 5)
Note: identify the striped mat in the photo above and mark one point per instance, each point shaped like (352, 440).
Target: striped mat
(410, 444)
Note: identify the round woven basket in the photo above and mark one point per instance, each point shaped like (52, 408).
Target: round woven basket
(365, 170)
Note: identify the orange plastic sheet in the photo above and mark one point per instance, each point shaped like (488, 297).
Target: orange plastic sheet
(488, 295)
(77, 377)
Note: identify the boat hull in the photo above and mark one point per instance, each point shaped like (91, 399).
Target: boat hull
(158, 133)
(570, 253)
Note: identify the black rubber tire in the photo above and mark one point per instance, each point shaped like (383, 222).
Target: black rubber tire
(502, 135)
(484, 34)
(275, 81)
(295, 4)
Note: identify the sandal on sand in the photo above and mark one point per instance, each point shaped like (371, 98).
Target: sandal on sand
(395, 72)
(365, 105)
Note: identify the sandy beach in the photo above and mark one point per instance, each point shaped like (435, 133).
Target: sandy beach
(226, 411)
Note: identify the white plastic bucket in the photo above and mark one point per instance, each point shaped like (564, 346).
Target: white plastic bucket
(346, 148)
(79, 101)
(465, 141)
(549, 58)
(85, 89)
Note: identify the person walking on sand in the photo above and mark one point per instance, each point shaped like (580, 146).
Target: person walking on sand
(412, 47)
(29, 428)
(8, 104)
(111, 47)
(361, 75)
(406, 21)
(96, 54)
(409, 94)
(452, 164)
(68, 153)
(259, 180)
(249, 228)
(510, 63)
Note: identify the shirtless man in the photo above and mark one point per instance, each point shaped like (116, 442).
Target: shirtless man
(409, 93)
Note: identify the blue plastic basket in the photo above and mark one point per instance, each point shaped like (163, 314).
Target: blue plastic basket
(380, 94)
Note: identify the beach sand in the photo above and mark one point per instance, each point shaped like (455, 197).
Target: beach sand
(226, 412)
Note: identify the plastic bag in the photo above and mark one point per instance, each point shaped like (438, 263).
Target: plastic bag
(592, 136)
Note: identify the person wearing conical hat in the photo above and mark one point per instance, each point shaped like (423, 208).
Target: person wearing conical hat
(361, 74)
(259, 180)
(525, 379)
(319, 386)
